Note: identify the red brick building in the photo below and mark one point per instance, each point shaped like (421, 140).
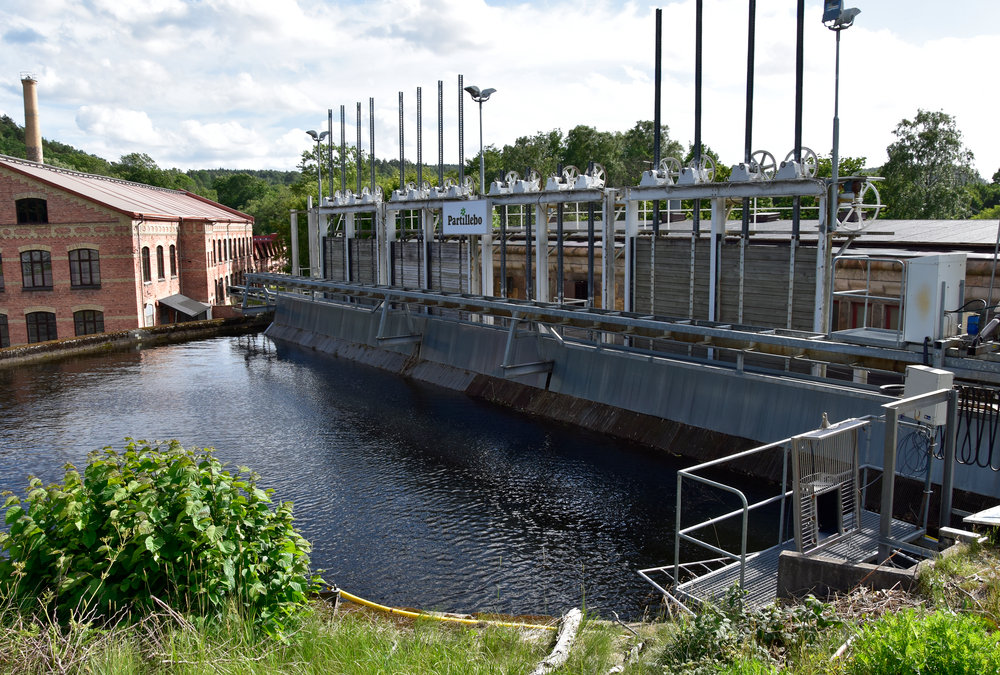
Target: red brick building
(83, 254)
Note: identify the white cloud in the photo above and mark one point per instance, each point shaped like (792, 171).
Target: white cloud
(119, 125)
(179, 78)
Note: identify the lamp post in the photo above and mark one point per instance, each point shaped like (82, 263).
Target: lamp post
(479, 96)
(836, 18)
(319, 163)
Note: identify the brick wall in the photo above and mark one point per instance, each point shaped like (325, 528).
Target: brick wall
(126, 300)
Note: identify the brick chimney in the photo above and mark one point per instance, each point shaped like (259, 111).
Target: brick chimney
(32, 131)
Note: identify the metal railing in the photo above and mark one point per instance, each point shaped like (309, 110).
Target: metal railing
(686, 534)
(865, 294)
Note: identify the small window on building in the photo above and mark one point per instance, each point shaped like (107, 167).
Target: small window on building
(41, 326)
(173, 261)
(36, 270)
(160, 274)
(892, 317)
(84, 268)
(4, 332)
(88, 322)
(31, 211)
(147, 274)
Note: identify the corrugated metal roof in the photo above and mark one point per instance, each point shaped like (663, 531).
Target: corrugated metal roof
(135, 199)
(951, 233)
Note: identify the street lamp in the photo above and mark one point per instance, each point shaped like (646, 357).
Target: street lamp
(319, 164)
(479, 96)
(836, 18)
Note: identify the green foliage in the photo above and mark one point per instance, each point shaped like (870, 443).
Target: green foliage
(239, 189)
(624, 155)
(746, 640)
(941, 642)
(156, 520)
(928, 169)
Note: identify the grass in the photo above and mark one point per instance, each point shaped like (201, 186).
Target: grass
(325, 642)
(949, 625)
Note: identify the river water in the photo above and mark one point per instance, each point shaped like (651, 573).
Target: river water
(411, 494)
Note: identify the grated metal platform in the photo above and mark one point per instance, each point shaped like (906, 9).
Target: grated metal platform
(761, 576)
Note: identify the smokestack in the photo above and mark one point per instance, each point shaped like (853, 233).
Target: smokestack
(32, 131)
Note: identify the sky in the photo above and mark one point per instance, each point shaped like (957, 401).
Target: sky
(236, 83)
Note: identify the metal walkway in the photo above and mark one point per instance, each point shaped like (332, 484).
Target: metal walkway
(761, 574)
(810, 347)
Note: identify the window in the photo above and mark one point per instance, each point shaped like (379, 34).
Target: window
(4, 333)
(147, 275)
(173, 260)
(84, 268)
(32, 210)
(159, 263)
(88, 322)
(36, 270)
(892, 316)
(41, 326)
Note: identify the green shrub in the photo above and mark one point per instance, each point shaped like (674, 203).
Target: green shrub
(730, 634)
(160, 521)
(941, 642)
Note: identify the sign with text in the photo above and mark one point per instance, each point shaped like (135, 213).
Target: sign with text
(472, 217)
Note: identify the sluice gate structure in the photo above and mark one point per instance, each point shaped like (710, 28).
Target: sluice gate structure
(639, 307)
(398, 292)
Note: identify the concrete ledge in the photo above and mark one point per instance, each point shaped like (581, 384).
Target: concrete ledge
(126, 339)
(800, 575)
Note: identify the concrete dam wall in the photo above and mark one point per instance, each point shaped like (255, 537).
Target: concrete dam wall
(695, 410)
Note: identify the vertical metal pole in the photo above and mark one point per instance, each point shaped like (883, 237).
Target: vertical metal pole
(835, 158)
(319, 172)
(440, 133)
(677, 530)
(888, 482)
(799, 64)
(371, 139)
(948, 478)
(747, 151)
(402, 164)
(461, 132)
(503, 251)
(529, 278)
(482, 155)
(590, 254)
(560, 283)
(748, 123)
(699, 11)
(329, 150)
(343, 149)
(420, 141)
(657, 76)
(358, 148)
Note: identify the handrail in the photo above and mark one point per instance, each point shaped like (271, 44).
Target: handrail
(866, 293)
(682, 533)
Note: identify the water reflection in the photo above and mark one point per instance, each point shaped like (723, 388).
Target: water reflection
(411, 495)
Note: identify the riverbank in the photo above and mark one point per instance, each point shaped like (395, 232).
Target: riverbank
(131, 339)
(947, 625)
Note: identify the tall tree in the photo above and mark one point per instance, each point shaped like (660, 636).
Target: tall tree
(928, 169)
(586, 144)
(541, 152)
(637, 150)
(140, 168)
(239, 189)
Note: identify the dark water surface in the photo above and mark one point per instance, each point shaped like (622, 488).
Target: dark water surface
(411, 494)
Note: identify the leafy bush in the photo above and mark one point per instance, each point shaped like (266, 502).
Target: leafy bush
(941, 642)
(156, 521)
(730, 634)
